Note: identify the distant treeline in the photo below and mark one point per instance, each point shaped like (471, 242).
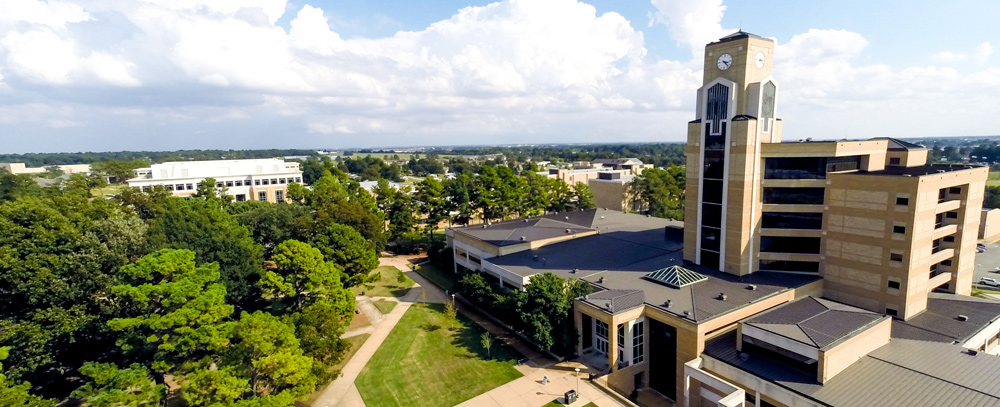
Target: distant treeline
(46, 159)
(658, 154)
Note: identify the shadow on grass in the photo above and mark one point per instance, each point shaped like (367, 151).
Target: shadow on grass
(399, 292)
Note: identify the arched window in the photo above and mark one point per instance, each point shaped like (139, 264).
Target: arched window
(767, 106)
(718, 107)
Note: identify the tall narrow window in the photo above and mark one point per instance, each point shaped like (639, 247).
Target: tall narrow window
(279, 196)
(262, 195)
(718, 107)
(767, 105)
(637, 349)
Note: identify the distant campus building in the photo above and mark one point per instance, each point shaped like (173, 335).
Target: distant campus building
(804, 274)
(21, 168)
(259, 180)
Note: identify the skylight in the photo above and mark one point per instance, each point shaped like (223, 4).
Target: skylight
(675, 276)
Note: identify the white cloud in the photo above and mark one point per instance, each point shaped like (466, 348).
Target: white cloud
(691, 23)
(983, 52)
(53, 14)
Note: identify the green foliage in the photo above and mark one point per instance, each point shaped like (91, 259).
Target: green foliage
(266, 351)
(301, 275)
(114, 387)
(16, 394)
(583, 198)
(117, 170)
(16, 186)
(216, 236)
(661, 191)
(207, 387)
(346, 247)
(181, 308)
(992, 199)
(432, 202)
(271, 224)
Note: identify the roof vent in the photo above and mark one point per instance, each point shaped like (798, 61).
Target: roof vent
(752, 287)
(567, 231)
(523, 238)
(686, 312)
(600, 280)
(972, 352)
(962, 318)
(525, 221)
(744, 356)
(575, 271)
(607, 305)
(567, 218)
(722, 296)
(602, 216)
(535, 257)
(667, 304)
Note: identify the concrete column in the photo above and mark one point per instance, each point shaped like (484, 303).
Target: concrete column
(613, 345)
(578, 323)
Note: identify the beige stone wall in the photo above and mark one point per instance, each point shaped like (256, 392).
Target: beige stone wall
(989, 223)
(842, 356)
(610, 195)
(692, 187)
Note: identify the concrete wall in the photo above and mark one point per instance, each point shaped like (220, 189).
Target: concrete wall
(842, 356)
(989, 223)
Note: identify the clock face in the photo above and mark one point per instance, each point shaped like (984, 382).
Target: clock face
(725, 61)
(760, 60)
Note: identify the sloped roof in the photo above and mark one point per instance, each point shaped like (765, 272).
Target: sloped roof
(738, 36)
(900, 145)
(940, 323)
(816, 322)
(676, 276)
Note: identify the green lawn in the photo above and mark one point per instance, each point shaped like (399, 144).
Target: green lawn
(385, 306)
(103, 191)
(981, 292)
(388, 285)
(423, 363)
(557, 403)
(443, 279)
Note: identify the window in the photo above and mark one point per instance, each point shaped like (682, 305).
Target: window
(894, 284)
(279, 196)
(256, 182)
(896, 257)
(795, 168)
(711, 215)
(951, 215)
(717, 108)
(240, 197)
(788, 244)
(145, 189)
(218, 185)
(637, 338)
(281, 180)
(792, 220)
(714, 164)
(712, 191)
(170, 187)
(298, 179)
(229, 183)
(274, 181)
(898, 229)
(262, 196)
(794, 196)
(767, 110)
(265, 182)
(788, 265)
(238, 183)
(711, 238)
(894, 161)
(902, 201)
(190, 186)
(891, 311)
(955, 190)
(179, 187)
(950, 239)
(601, 331)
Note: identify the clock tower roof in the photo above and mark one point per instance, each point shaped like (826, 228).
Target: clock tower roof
(739, 35)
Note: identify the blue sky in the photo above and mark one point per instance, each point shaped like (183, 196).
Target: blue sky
(98, 75)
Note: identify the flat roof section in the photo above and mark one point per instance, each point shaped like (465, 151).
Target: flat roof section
(940, 321)
(929, 169)
(815, 322)
(903, 373)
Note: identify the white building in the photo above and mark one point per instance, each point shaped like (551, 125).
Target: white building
(262, 180)
(21, 168)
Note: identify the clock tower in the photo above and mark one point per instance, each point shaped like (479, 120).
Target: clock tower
(736, 108)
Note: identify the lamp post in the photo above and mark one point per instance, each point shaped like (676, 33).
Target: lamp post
(577, 380)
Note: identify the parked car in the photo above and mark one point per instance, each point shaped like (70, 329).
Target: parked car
(992, 282)
(980, 247)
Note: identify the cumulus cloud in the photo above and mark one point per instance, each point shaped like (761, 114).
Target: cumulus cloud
(207, 73)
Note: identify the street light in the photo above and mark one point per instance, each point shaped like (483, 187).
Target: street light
(577, 380)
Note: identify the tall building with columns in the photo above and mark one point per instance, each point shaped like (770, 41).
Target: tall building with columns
(804, 273)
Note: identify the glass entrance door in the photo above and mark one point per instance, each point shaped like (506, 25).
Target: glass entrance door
(601, 333)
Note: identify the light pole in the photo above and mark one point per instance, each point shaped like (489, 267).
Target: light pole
(577, 380)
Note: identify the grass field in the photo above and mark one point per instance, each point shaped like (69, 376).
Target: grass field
(993, 180)
(440, 278)
(389, 285)
(103, 191)
(423, 363)
(385, 306)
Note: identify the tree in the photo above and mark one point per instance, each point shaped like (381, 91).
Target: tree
(402, 215)
(458, 198)
(16, 186)
(487, 341)
(207, 387)
(114, 387)
(180, 308)
(118, 171)
(301, 275)
(583, 198)
(16, 394)
(450, 311)
(208, 189)
(319, 328)
(561, 196)
(545, 311)
(271, 224)
(662, 191)
(265, 351)
(431, 201)
(346, 247)
(216, 236)
(992, 199)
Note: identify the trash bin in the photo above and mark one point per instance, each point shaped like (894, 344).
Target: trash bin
(570, 397)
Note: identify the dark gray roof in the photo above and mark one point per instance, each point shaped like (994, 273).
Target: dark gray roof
(739, 35)
(900, 145)
(816, 322)
(940, 323)
(616, 160)
(531, 229)
(929, 169)
(903, 373)
(615, 301)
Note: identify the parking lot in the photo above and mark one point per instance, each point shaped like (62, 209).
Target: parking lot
(987, 262)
